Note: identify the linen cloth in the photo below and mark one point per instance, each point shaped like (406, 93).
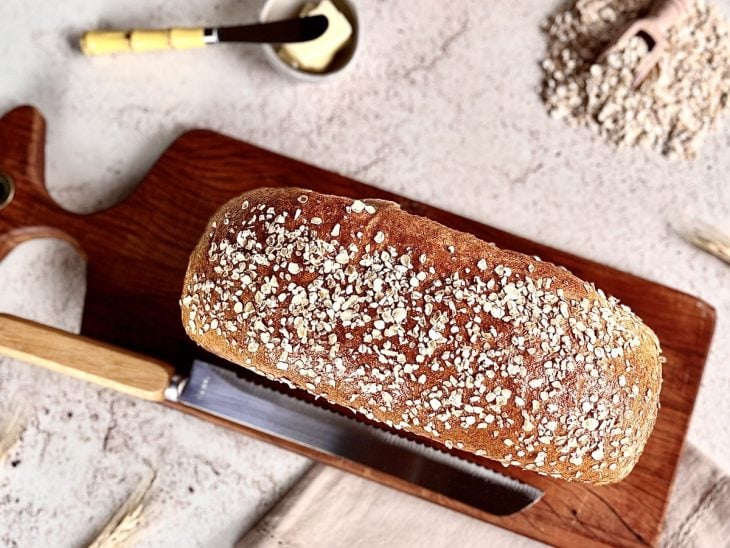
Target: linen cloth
(330, 508)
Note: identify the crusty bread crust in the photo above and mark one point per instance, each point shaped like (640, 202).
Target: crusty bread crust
(427, 329)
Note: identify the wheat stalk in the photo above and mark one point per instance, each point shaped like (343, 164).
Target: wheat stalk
(10, 434)
(709, 239)
(127, 521)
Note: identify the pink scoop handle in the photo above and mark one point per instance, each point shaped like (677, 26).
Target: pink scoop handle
(664, 13)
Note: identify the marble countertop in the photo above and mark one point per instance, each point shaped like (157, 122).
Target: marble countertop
(442, 106)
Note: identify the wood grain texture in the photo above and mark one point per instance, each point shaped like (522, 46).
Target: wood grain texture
(84, 358)
(137, 252)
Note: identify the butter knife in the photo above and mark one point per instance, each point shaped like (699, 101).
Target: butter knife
(300, 29)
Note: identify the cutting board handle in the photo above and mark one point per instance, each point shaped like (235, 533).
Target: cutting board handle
(84, 358)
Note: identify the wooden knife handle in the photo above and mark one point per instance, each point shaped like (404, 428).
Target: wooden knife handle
(84, 358)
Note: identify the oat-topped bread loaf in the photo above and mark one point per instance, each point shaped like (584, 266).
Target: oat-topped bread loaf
(426, 329)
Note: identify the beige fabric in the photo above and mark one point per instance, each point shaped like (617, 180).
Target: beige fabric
(699, 513)
(327, 507)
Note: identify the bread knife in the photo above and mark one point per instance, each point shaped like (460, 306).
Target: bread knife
(217, 391)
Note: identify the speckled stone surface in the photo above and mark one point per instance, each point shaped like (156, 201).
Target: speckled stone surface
(442, 105)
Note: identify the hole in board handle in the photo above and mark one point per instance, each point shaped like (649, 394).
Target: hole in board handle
(7, 190)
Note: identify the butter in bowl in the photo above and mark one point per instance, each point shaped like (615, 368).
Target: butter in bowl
(322, 57)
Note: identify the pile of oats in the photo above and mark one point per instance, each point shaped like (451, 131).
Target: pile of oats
(675, 106)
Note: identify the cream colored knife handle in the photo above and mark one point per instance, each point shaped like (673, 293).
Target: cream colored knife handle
(101, 42)
(84, 358)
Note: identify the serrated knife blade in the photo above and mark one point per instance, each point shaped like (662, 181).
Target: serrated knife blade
(222, 393)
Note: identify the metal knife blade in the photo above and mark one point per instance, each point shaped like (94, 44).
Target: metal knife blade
(299, 29)
(220, 392)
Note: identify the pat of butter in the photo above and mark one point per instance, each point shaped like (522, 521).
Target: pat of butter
(316, 55)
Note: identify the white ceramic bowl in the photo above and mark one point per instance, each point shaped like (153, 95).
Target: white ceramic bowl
(275, 10)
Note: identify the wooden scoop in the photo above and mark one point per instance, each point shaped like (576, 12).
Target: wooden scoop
(652, 28)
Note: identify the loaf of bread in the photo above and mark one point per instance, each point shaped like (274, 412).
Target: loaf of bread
(426, 329)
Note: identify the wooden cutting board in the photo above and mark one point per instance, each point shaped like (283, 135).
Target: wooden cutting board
(137, 252)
